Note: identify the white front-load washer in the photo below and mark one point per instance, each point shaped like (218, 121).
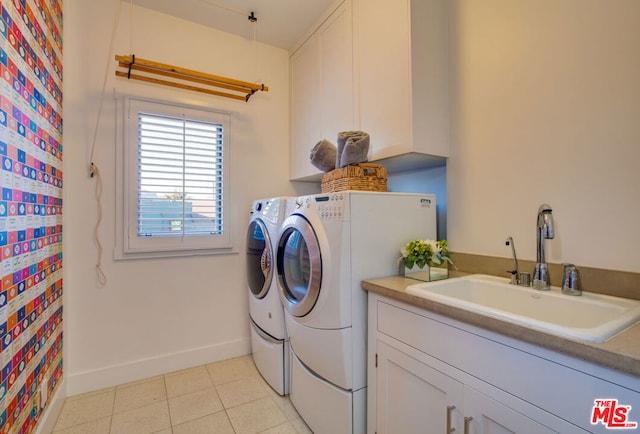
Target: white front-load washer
(327, 245)
(269, 341)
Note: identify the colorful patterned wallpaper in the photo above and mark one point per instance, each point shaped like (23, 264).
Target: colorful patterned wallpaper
(30, 209)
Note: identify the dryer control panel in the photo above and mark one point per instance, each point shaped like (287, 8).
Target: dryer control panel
(329, 206)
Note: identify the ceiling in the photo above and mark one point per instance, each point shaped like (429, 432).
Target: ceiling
(281, 23)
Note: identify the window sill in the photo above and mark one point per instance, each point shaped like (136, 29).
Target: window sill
(119, 255)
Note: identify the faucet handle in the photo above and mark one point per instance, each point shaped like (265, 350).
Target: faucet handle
(514, 272)
(571, 280)
(525, 279)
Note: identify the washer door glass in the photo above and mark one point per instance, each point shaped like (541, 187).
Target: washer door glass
(299, 265)
(259, 259)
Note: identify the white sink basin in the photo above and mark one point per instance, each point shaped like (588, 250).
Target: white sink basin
(589, 317)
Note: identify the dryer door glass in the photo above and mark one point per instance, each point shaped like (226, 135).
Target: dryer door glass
(259, 259)
(299, 266)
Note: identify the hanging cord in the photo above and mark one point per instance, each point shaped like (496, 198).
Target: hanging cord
(254, 24)
(130, 27)
(94, 171)
(100, 276)
(104, 82)
(254, 21)
(235, 11)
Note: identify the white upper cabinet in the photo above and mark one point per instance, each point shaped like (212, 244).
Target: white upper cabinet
(322, 97)
(379, 66)
(403, 82)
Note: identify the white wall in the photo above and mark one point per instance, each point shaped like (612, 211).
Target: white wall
(546, 108)
(432, 181)
(159, 315)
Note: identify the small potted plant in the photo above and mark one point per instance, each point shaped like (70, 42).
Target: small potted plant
(425, 260)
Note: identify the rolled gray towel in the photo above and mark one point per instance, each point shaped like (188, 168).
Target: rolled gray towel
(342, 140)
(355, 148)
(323, 155)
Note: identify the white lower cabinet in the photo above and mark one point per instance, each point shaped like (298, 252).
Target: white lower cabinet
(414, 397)
(428, 373)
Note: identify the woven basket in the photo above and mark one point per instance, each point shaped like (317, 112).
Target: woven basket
(364, 176)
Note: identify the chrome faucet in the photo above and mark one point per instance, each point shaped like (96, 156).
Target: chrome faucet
(544, 229)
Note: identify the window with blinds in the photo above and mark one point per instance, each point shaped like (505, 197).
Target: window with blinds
(175, 179)
(180, 176)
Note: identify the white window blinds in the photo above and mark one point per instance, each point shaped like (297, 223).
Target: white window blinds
(174, 181)
(180, 176)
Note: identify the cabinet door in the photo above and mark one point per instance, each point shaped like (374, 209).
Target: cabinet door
(403, 80)
(322, 100)
(413, 397)
(336, 74)
(492, 417)
(305, 110)
(384, 53)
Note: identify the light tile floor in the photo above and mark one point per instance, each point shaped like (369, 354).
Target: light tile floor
(223, 397)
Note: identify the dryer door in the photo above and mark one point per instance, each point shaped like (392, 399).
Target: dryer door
(259, 259)
(299, 265)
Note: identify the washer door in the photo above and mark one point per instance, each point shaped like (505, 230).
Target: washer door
(299, 265)
(259, 259)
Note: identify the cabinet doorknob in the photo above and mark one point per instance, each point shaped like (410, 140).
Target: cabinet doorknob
(450, 409)
(467, 422)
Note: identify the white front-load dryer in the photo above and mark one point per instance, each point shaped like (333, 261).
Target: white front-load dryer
(327, 245)
(269, 341)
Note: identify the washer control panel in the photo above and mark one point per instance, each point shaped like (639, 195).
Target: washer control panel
(271, 210)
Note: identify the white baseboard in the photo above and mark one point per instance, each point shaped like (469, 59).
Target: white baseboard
(109, 376)
(52, 410)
